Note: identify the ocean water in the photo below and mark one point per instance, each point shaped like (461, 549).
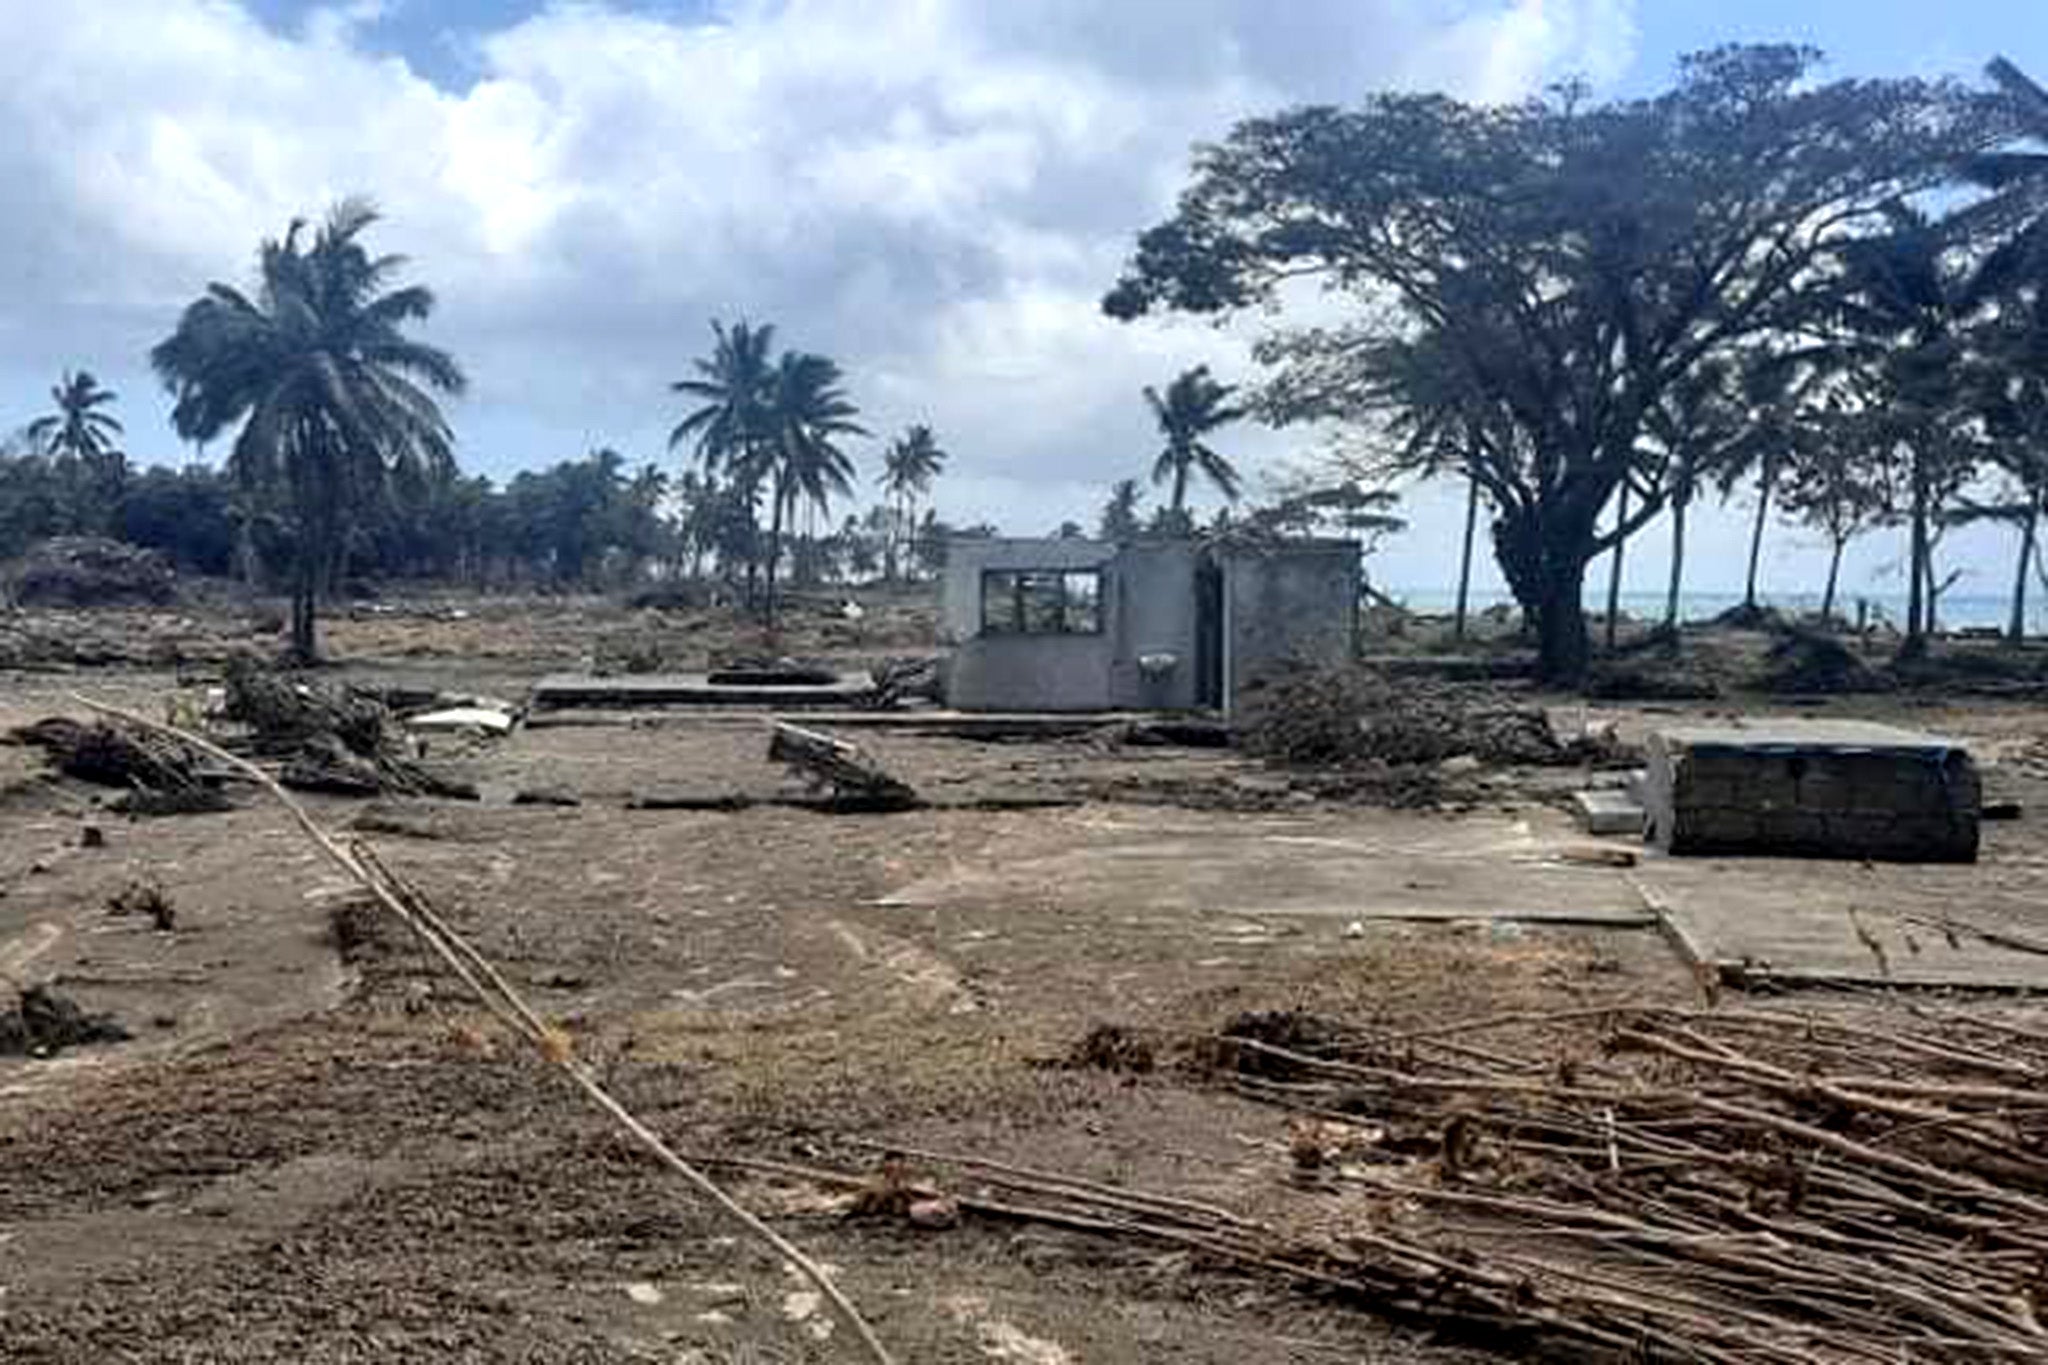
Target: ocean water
(1958, 610)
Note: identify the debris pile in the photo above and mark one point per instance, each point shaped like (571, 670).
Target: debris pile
(1703, 1185)
(44, 1023)
(88, 571)
(1802, 661)
(331, 740)
(157, 775)
(1341, 716)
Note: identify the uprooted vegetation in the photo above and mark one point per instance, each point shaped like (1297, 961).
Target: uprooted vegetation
(1339, 717)
(156, 775)
(43, 1023)
(88, 571)
(332, 740)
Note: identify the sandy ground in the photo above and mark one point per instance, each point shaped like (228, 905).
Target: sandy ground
(313, 1155)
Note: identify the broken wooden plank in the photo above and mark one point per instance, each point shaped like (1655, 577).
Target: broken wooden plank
(854, 778)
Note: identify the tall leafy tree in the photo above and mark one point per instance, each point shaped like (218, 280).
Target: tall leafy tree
(1565, 262)
(84, 439)
(333, 399)
(1194, 405)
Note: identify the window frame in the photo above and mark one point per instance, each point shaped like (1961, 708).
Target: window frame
(1017, 619)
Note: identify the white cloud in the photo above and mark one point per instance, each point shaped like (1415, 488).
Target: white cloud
(936, 192)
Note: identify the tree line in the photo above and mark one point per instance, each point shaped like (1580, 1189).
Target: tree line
(340, 463)
(1828, 291)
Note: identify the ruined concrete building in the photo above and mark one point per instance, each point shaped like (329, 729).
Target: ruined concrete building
(1082, 625)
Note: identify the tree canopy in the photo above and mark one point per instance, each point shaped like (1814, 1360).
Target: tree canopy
(1534, 278)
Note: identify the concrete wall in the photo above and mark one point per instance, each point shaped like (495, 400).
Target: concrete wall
(1154, 588)
(1289, 602)
(1025, 672)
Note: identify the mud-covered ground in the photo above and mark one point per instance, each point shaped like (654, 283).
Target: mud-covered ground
(313, 1153)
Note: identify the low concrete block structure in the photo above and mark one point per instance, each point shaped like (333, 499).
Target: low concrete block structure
(1153, 624)
(1812, 788)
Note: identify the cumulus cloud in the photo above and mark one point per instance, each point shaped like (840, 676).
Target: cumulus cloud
(935, 191)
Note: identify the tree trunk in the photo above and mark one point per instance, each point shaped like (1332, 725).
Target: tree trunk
(1465, 556)
(1614, 566)
(1827, 598)
(1916, 568)
(774, 548)
(305, 593)
(2016, 628)
(1675, 587)
(1765, 477)
(1545, 563)
(1180, 492)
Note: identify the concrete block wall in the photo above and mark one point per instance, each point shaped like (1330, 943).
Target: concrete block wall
(1896, 797)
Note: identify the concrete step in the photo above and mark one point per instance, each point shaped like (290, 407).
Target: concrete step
(1607, 812)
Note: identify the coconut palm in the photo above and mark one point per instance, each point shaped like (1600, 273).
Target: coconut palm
(84, 441)
(912, 461)
(78, 428)
(1194, 405)
(732, 428)
(809, 412)
(335, 403)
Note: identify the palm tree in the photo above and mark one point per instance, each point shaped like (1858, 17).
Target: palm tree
(333, 399)
(732, 429)
(1119, 521)
(83, 440)
(912, 461)
(808, 413)
(1194, 405)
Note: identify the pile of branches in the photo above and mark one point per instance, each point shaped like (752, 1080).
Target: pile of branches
(333, 740)
(1729, 1185)
(1319, 716)
(157, 776)
(90, 571)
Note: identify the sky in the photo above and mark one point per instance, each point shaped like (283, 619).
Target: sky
(934, 192)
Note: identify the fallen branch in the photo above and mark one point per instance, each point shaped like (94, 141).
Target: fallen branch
(498, 996)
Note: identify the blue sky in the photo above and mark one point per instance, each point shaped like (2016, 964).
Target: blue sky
(934, 191)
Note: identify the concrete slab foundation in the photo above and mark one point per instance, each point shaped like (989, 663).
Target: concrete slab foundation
(693, 689)
(1812, 788)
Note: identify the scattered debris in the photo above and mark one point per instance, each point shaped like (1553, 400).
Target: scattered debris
(459, 720)
(335, 741)
(898, 681)
(88, 571)
(2000, 810)
(855, 780)
(92, 836)
(546, 796)
(143, 897)
(110, 755)
(44, 1023)
(358, 927)
(1114, 1047)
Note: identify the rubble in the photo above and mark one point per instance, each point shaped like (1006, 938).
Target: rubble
(88, 571)
(1318, 716)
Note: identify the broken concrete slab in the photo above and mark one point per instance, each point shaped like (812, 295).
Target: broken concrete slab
(461, 719)
(1607, 812)
(695, 689)
(1812, 788)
